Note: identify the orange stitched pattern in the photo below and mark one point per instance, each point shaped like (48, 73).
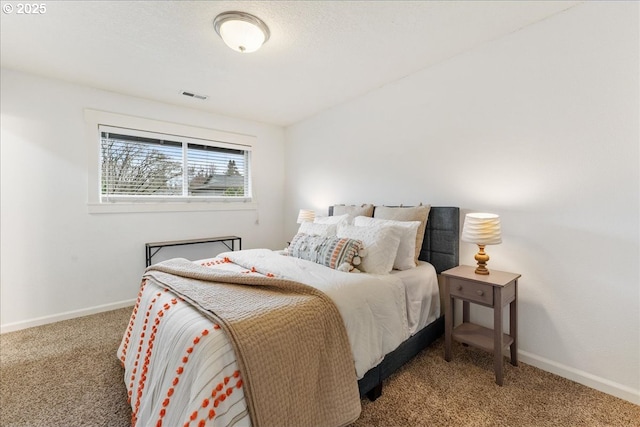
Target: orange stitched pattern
(125, 346)
(218, 395)
(176, 380)
(135, 364)
(215, 261)
(147, 358)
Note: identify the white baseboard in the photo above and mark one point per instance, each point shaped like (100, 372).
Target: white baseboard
(593, 381)
(16, 326)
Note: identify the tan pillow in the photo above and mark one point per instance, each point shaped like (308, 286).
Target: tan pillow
(415, 213)
(353, 211)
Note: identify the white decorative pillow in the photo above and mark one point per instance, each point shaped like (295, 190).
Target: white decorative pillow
(341, 254)
(353, 211)
(315, 229)
(340, 219)
(380, 244)
(414, 213)
(405, 258)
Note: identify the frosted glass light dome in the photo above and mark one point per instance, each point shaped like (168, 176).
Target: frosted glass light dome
(241, 31)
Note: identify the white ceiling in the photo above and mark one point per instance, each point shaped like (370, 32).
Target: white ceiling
(320, 54)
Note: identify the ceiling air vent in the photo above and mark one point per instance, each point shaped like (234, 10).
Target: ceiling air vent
(194, 95)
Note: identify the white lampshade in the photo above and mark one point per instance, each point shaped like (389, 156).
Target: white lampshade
(241, 31)
(481, 229)
(306, 215)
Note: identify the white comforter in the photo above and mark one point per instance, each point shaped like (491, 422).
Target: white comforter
(373, 307)
(180, 368)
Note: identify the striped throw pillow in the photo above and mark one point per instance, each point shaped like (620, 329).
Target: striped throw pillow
(338, 253)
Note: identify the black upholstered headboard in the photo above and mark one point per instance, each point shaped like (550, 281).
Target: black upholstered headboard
(441, 243)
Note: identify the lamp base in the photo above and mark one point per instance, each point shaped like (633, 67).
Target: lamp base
(482, 270)
(482, 259)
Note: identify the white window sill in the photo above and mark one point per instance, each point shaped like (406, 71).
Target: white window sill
(106, 208)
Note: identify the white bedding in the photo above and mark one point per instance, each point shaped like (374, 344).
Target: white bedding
(422, 295)
(379, 311)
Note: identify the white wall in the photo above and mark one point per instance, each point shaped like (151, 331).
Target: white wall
(57, 260)
(541, 127)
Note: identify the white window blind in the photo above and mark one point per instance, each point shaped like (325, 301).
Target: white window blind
(145, 166)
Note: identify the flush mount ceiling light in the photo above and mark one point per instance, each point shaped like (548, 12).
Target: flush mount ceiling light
(240, 31)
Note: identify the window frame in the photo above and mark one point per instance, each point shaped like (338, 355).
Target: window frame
(95, 119)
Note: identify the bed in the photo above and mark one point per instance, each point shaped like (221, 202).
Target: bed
(440, 248)
(181, 368)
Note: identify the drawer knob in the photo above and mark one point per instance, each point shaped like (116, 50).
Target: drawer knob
(459, 287)
(480, 293)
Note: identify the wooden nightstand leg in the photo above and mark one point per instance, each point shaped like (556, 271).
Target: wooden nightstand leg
(513, 326)
(497, 334)
(465, 312)
(448, 321)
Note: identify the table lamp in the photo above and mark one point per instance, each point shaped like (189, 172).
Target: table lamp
(481, 229)
(306, 215)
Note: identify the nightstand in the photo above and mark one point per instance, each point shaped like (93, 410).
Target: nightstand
(494, 290)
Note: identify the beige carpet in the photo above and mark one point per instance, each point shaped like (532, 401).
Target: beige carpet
(67, 374)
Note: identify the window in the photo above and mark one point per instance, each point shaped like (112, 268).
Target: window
(143, 166)
(137, 164)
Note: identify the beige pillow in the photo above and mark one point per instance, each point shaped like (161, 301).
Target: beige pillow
(415, 213)
(353, 211)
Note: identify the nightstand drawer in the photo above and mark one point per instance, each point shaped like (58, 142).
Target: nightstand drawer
(471, 291)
